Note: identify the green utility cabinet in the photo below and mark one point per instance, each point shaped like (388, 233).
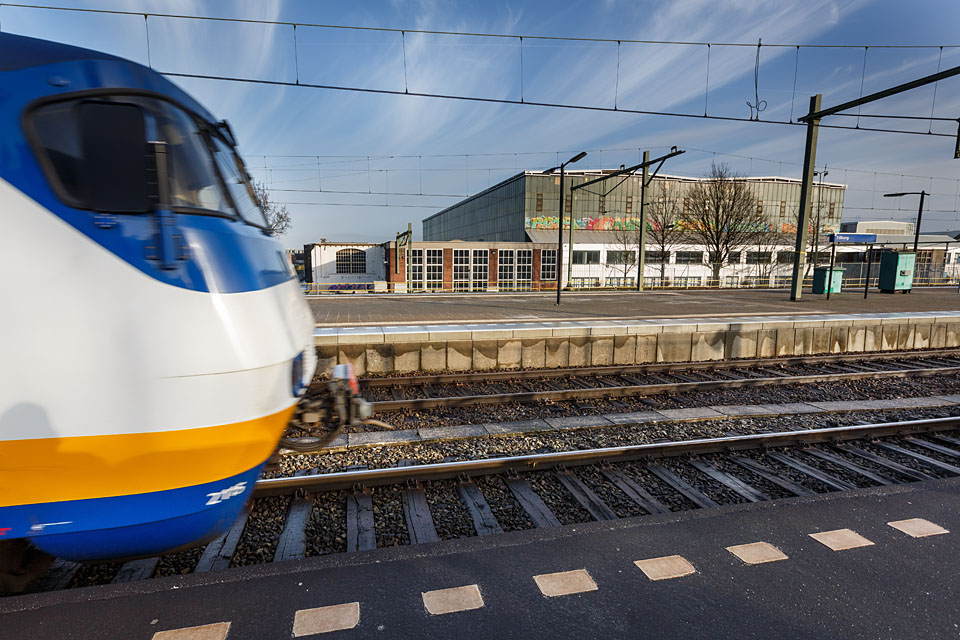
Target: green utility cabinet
(896, 271)
(820, 279)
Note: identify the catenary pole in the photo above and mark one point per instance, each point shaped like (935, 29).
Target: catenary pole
(809, 158)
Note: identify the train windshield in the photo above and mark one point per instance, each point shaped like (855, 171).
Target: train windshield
(204, 173)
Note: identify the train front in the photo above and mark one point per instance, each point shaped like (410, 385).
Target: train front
(156, 338)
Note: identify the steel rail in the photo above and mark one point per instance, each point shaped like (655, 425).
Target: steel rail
(650, 389)
(651, 367)
(535, 462)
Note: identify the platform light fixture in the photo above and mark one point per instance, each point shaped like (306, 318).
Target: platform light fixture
(577, 158)
(916, 231)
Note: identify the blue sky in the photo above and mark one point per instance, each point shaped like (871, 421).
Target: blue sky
(354, 143)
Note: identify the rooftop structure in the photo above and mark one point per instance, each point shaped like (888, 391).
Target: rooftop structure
(510, 210)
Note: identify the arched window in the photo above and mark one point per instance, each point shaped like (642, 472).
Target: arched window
(351, 261)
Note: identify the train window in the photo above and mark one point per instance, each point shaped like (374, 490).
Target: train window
(84, 154)
(237, 184)
(96, 151)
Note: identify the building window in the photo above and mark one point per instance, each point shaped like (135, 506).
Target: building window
(461, 270)
(689, 257)
(732, 258)
(759, 257)
(568, 203)
(548, 264)
(351, 261)
(481, 269)
(833, 207)
(620, 282)
(656, 257)
(621, 257)
(731, 281)
(524, 269)
(434, 269)
(539, 202)
(586, 257)
(760, 207)
(416, 269)
(783, 208)
(505, 270)
(785, 257)
(629, 205)
(602, 206)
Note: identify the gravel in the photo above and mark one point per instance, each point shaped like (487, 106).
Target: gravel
(326, 531)
(389, 523)
(821, 392)
(558, 500)
(505, 507)
(547, 441)
(259, 539)
(178, 563)
(450, 517)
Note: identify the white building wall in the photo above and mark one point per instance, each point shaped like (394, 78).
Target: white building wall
(324, 260)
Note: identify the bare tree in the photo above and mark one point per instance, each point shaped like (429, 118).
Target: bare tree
(626, 239)
(277, 215)
(723, 216)
(665, 218)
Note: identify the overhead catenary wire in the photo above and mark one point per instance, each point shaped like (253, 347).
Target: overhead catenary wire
(524, 99)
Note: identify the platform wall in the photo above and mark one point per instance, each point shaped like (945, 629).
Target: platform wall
(488, 347)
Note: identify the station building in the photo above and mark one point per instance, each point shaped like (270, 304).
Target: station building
(505, 239)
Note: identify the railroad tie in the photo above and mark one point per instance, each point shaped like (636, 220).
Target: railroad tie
(136, 570)
(483, 519)
(540, 514)
(57, 576)
(361, 533)
(738, 486)
(886, 463)
(691, 493)
(416, 511)
(769, 475)
(634, 491)
(585, 496)
(218, 553)
(293, 544)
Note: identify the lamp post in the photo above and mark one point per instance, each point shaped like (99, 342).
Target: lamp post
(576, 158)
(916, 231)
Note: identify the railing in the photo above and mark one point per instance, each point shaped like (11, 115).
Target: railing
(666, 284)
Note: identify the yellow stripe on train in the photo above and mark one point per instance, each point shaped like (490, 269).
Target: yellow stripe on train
(79, 468)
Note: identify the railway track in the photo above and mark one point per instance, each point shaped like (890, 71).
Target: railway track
(482, 497)
(503, 387)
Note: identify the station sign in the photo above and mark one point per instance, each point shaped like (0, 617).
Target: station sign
(864, 238)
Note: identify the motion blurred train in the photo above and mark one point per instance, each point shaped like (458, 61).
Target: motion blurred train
(154, 340)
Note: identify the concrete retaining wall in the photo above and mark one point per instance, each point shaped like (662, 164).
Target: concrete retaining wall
(401, 349)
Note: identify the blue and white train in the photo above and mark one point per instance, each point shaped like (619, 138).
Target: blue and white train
(154, 340)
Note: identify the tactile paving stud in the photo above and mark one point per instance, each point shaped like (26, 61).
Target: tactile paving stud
(918, 527)
(565, 583)
(335, 617)
(841, 539)
(452, 600)
(757, 552)
(215, 631)
(665, 567)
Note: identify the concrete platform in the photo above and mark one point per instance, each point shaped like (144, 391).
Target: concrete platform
(871, 563)
(376, 310)
(462, 346)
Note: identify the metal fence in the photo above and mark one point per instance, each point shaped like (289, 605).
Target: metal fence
(854, 277)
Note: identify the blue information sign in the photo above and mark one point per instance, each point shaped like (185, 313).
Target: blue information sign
(853, 237)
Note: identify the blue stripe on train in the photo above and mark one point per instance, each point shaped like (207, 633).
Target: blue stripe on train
(128, 526)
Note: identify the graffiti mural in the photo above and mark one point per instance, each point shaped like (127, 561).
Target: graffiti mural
(611, 223)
